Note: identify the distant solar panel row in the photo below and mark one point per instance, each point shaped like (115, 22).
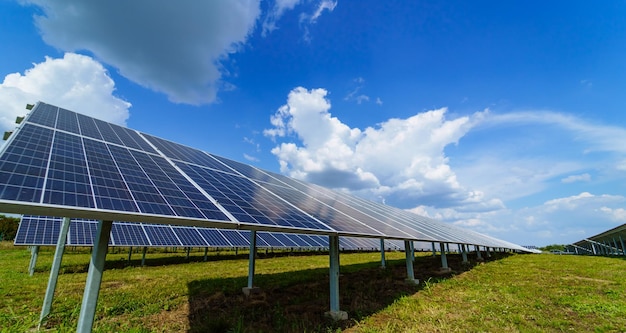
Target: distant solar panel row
(43, 230)
(63, 163)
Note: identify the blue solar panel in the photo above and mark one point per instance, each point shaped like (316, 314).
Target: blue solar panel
(68, 181)
(63, 162)
(88, 127)
(286, 239)
(108, 134)
(235, 238)
(129, 234)
(37, 231)
(24, 163)
(67, 121)
(247, 201)
(44, 114)
(161, 235)
(214, 237)
(110, 190)
(82, 233)
(186, 154)
(189, 236)
(269, 239)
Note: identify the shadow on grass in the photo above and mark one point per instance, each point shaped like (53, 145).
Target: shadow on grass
(296, 301)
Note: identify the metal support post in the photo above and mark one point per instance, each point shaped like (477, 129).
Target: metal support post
(593, 246)
(34, 253)
(251, 289)
(130, 253)
(410, 274)
(206, 252)
(54, 271)
(412, 247)
(94, 277)
(616, 247)
(333, 251)
(382, 253)
(488, 252)
(434, 249)
(188, 250)
(463, 253)
(444, 259)
(478, 255)
(623, 248)
(143, 256)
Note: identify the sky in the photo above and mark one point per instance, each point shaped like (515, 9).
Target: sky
(503, 117)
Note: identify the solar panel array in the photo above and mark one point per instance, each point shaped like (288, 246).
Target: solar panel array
(45, 230)
(62, 163)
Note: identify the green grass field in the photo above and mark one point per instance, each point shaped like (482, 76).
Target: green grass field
(511, 293)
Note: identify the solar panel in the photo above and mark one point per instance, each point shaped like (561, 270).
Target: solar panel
(38, 232)
(62, 163)
(129, 234)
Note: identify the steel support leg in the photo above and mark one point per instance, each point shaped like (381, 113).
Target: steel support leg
(382, 253)
(434, 249)
(130, 253)
(463, 253)
(333, 251)
(444, 259)
(252, 259)
(478, 255)
(143, 256)
(94, 277)
(206, 253)
(623, 248)
(410, 274)
(54, 271)
(34, 253)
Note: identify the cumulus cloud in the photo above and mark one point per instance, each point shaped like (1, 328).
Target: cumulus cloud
(75, 82)
(585, 177)
(171, 47)
(400, 160)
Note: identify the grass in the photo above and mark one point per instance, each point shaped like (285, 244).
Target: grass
(518, 293)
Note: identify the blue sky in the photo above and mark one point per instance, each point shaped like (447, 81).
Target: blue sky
(502, 117)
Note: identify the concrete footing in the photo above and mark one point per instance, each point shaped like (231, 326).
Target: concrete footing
(412, 281)
(445, 270)
(251, 291)
(336, 315)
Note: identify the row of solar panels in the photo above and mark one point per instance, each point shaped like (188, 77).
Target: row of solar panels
(64, 163)
(42, 230)
(612, 241)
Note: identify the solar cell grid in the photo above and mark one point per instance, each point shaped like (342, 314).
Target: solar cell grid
(43, 114)
(129, 234)
(131, 139)
(235, 238)
(186, 154)
(214, 237)
(189, 236)
(285, 239)
(110, 190)
(82, 233)
(161, 235)
(23, 164)
(88, 127)
(107, 132)
(146, 195)
(67, 121)
(68, 181)
(245, 200)
(33, 231)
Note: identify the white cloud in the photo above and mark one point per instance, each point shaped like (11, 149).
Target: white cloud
(308, 19)
(75, 82)
(379, 101)
(250, 158)
(274, 14)
(616, 214)
(170, 47)
(585, 177)
(400, 160)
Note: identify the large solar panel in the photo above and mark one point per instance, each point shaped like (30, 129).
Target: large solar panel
(62, 163)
